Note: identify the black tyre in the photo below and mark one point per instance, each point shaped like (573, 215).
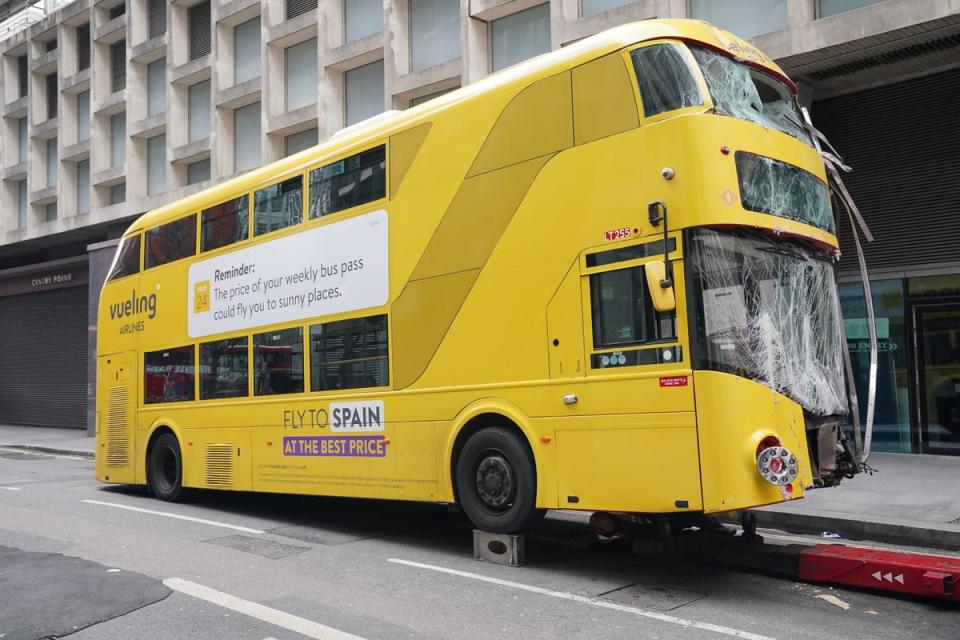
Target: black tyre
(497, 482)
(165, 468)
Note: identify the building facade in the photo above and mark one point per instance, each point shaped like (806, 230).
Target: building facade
(110, 108)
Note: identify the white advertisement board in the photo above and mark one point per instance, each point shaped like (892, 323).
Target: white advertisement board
(330, 269)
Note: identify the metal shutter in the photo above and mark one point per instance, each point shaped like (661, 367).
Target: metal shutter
(157, 17)
(51, 96)
(299, 7)
(43, 339)
(118, 66)
(83, 47)
(903, 144)
(199, 30)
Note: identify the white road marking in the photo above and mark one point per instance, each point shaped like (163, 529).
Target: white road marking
(273, 616)
(12, 488)
(663, 617)
(212, 523)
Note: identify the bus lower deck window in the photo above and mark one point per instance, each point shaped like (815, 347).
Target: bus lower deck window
(168, 375)
(278, 362)
(349, 354)
(223, 369)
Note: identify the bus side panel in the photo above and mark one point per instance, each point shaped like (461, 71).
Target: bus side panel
(733, 415)
(116, 417)
(643, 463)
(217, 459)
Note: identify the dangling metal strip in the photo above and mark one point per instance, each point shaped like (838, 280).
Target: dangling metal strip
(835, 165)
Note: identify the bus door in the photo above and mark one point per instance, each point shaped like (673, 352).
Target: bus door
(565, 328)
(116, 416)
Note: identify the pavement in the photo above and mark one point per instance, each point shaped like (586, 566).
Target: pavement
(909, 499)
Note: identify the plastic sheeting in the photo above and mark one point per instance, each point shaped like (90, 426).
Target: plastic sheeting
(770, 312)
(747, 94)
(780, 189)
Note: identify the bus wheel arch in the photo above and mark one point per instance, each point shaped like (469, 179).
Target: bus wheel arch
(493, 473)
(163, 463)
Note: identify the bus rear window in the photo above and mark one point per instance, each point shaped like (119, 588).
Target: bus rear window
(171, 241)
(666, 82)
(128, 258)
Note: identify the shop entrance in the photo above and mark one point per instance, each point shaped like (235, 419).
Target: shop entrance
(938, 376)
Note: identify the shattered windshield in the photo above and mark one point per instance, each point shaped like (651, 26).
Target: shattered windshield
(781, 189)
(768, 311)
(748, 94)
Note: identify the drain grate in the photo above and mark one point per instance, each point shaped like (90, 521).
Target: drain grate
(652, 597)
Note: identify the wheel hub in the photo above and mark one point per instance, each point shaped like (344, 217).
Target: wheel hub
(495, 481)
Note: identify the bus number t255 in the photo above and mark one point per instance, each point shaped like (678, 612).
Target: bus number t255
(617, 234)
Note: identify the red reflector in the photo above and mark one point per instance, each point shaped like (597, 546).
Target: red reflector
(776, 465)
(789, 487)
(673, 381)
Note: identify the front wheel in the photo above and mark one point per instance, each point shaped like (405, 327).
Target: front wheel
(497, 483)
(165, 468)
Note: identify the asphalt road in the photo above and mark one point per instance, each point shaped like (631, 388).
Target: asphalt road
(83, 560)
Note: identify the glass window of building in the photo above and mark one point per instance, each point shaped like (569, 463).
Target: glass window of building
(23, 79)
(118, 139)
(198, 21)
(349, 354)
(50, 212)
(246, 137)
(118, 66)
(746, 18)
(156, 164)
(224, 224)
(23, 139)
(891, 429)
(83, 47)
(363, 92)
(520, 36)
(156, 18)
(53, 162)
(434, 32)
(168, 375)
(117, 10)
(118, 193)
(278, 206)
(430, 96)
(83, 186)
(52, 96)
(157, 87)
(83, 116)
(829, 8)
(223, 369)
(296, 142)
(278, 362)
(246, 50)
(198, 111)
(361, 18)
(300, 71)
(198, 171)
(170, 242)
(22, 204)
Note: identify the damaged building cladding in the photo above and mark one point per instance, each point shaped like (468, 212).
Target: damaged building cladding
(90, 91)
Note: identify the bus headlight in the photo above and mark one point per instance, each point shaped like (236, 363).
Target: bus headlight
(778, 466)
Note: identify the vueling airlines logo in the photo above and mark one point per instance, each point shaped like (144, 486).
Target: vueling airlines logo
(137, 305)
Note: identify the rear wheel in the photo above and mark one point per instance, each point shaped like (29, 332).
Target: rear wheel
(497, 483)
(165, 468)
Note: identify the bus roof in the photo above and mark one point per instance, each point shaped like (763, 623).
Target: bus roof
(515, 77)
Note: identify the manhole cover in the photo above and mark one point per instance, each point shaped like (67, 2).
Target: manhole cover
(258, 546)
(652, 597)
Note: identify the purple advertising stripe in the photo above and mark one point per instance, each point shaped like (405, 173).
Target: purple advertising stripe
(335, 446)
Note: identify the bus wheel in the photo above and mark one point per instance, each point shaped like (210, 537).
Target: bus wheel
(165, 468)
(496, 482)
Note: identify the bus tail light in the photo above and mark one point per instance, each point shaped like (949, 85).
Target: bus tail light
(778, 466)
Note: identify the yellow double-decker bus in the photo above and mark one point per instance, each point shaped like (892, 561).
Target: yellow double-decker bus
(601, 279)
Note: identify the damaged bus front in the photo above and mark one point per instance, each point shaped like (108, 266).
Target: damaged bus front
(748, 184)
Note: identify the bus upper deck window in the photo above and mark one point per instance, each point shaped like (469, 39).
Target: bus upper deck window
(172, 241)
(666, 82)
(278, 206)
(127, 261)
(350, 182)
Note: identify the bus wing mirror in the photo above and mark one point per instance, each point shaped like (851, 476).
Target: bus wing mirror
(662, 297)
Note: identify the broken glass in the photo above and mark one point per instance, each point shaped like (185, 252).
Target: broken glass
(748, 94)
(769, 312)
(781, 189)
(666, 82)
